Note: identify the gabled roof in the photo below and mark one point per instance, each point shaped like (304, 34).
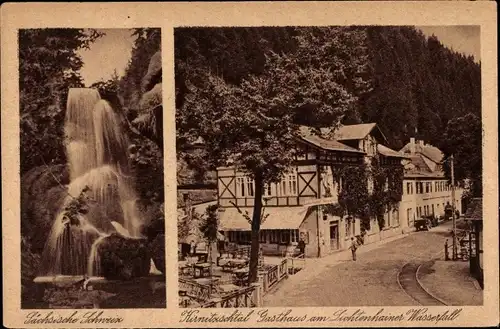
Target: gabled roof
(358, 131)
(326, 144)
(431, 152)
(385, 151)
(419, 164)
(421, 169)
(475, 209)
(330, 145)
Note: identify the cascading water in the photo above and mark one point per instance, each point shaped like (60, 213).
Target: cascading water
(97, 158)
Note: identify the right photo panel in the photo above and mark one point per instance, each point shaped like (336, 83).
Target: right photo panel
(327, 166)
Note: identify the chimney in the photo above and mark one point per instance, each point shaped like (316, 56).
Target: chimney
(412, 145)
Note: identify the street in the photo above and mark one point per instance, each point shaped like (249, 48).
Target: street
(372, 280)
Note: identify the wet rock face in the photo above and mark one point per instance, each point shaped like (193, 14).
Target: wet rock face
(124, 258)
(42, 195)
(158, 252)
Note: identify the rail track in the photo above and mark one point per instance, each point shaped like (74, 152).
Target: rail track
(408, 281)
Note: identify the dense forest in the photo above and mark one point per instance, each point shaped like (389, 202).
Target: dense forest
(411, 85)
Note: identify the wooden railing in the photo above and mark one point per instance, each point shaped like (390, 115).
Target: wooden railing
(194, 290)
(283, 269)
(277, 273)
(296, 263)
(246, 297)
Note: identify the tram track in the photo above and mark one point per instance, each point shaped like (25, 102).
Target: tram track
(410, 284)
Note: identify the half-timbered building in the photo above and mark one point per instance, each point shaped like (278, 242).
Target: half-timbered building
(291, 205)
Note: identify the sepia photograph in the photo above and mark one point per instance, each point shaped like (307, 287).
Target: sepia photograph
(329, 166)
(91, 168)
(303, 164)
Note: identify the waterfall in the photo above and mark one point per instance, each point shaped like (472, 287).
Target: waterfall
(94, 259)
(97, 156)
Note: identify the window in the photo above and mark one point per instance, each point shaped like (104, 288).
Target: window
(273, 236)
(294, 236)
(426, 187)
(409, 188)
(347, 227)
(395, 217)
(284, 236)
(420, 211)
(244, 187)
(433, 209)
(292, 184)
(240, 187)
(430, 187)
(262, 236)
(283, 188)
(268, 190)
(250, 186)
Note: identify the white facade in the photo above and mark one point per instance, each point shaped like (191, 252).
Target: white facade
(426, 190)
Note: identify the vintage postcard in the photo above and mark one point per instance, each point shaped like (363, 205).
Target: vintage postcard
(304, 164)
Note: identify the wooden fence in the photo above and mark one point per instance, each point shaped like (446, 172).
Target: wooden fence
(199, 292)
(245, 297)
(296, 263)
(275, 274)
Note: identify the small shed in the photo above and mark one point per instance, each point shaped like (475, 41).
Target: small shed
(474, 215)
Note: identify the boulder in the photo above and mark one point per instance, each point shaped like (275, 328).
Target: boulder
(43, 193)
(158, 252)
(153, 76)
(123, 258)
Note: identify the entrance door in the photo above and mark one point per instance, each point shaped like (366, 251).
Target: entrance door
(334, 236)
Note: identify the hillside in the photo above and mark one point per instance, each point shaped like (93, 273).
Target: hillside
(412, 85)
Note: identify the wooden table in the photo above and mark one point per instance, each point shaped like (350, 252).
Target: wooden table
(185, 268)
(241, 275)
(203, 269)
(228, 288)
(239, 262)
(183, 298)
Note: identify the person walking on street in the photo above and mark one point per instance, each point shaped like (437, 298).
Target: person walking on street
(353, 248)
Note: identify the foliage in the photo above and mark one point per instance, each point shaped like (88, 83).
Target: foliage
(77, 206)
(355, 197)
(147, 42)
(209, 226)
(387, 189)
(463, 140)
(30, 263)
(48, 66)
(418, 85)
(109, 90)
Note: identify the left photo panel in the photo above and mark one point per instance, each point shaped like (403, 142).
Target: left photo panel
(92, 190)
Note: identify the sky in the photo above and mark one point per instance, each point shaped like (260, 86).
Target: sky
(461, 38)
(110, 52)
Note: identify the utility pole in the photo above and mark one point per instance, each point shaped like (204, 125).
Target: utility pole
(453, 209)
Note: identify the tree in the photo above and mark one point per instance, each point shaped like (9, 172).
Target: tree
(254, 126)
(210, 228)
(48, 66)
(463, 140)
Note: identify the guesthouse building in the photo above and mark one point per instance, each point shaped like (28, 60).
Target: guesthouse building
(294, 206)
(426, 190)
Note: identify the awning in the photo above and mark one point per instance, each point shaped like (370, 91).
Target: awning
(280, 218)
